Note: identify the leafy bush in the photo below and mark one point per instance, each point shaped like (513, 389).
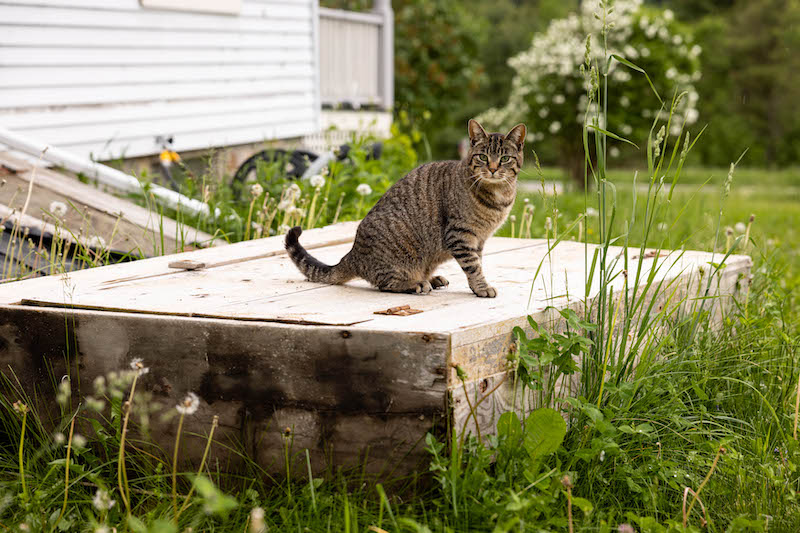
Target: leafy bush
(548, 89)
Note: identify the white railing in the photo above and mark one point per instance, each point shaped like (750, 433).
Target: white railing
(356, 56)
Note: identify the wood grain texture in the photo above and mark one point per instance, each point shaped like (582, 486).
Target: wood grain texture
(123, 225)
(339, 390)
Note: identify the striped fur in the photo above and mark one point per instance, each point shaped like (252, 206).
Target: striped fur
(438, 211)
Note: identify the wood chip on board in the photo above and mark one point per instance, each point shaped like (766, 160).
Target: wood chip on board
(401, 310)
(187, 265)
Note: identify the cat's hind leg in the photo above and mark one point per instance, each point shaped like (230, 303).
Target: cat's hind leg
(396, 282)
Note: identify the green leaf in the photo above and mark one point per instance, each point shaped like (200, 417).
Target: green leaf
(509, 427)
(638, 69)
(612, 135)
(544, 432)
(583, 504)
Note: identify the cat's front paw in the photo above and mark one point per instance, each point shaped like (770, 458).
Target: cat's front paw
(486, 291)
(423, 287)
(437, 282)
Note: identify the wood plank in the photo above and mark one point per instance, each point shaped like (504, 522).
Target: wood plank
(254, 19)
(40, 121)
(37, 97)
(201, 140)
(16, 77)
(140, 225)
(174, 126)
(107, 55)
(280, 36)
(94, 8)
(340, 391)
(87, 280)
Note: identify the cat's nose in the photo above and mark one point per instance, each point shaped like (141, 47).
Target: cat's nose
(493, 169)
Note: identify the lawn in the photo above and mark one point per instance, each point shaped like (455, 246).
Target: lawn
(710, 413)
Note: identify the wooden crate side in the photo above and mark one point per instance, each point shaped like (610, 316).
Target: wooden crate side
(490, 385)
(341, 391)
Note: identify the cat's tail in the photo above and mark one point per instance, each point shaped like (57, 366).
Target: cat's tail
(312, 268)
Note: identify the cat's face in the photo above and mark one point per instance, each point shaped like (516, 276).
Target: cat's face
(493, 157)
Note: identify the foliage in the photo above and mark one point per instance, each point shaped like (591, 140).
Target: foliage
(547, 89)
(437, 70)
(751, 82)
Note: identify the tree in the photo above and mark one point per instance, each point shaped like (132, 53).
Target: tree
(548, 90)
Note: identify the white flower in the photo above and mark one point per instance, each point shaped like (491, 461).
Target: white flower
(691, 115)
(613, 151)
(364, 189)
(78, 441)
(283, 205)
(695, 51)
(543, 112)
(138, 365)
(294, 210)
(677, 40)
(257, 524)
(740, 227)
(58, 209)
(102, 501)
(668, 14)
(189, 404)
(96, 242)
(555, 126)
(294, 189)
(626, 129)
(671, 73)
(58, 438)
(256, 190)
(317, 181)
(645, 52)
(592, 212)
(283, 229)
(548, 224)
(559, 99)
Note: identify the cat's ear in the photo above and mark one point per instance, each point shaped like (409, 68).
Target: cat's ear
(517, 135)
(476, 131)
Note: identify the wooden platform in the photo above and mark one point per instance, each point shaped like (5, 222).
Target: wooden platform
(266, 350)
(90, 212)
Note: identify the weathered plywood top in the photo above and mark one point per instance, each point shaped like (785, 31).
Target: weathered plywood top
(255, 280)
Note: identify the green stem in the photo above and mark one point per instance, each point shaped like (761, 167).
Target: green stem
(175, 469)
(66, 475)
(121, 474)
(21, 455)
(214, 423)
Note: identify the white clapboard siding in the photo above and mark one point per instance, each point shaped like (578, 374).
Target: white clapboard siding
(105, 77)
(20, 77)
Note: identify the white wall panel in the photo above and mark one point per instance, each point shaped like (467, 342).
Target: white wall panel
(107, 76)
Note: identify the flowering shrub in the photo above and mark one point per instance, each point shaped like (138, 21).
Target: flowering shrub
(549, 90)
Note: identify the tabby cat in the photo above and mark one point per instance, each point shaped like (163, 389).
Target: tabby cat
(437, 211)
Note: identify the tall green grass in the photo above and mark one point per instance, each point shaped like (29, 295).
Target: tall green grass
(677, 422)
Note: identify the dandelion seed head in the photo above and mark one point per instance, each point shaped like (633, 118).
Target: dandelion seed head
(59, 438)
(364, 189)
(317, 181)
(189, 404)
(102, 501)
(78, 441)
(256, 190)
(740, 227)
(137, 365)
(58, 209)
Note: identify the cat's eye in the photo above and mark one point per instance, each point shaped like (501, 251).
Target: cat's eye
(505, 159)
(482, 157)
